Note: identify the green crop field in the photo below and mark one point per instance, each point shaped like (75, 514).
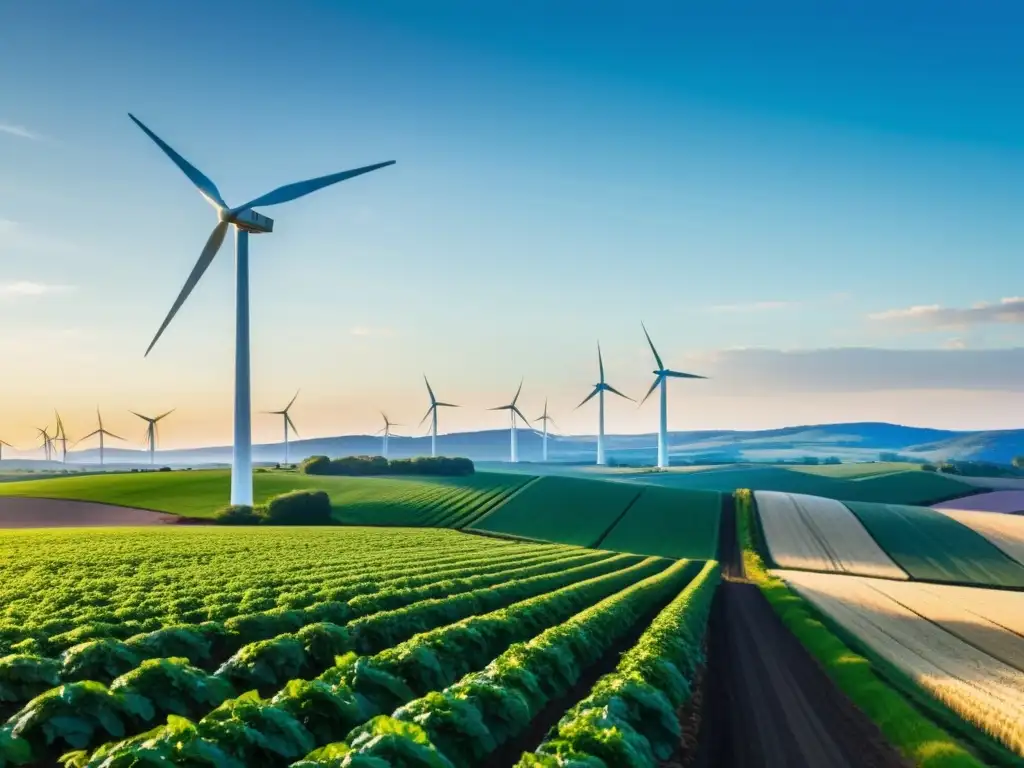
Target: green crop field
(357, 500)
(670, 523)
(261, 646)
(565, 509)
(855, 470)
(929, 545)
(900, 487)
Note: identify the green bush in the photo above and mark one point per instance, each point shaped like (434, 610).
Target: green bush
(237, 514)
(298, 508)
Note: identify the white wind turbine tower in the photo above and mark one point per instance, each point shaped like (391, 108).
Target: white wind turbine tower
(599, 389)
(513, 411)
(385, 432)
(102, 433)
(245, 220)
(287, 423)
(662, 375)
(151, 431)
(432, 411)
(544, 418)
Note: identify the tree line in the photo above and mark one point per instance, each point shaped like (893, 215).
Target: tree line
(360, 466)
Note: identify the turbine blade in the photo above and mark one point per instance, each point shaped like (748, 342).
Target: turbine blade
(654, 386)
(520, 414)
(588, 397)
(98, 417)
(502, 408)
(681, 375)
(427, 415)
(292, 401)
(213, 245)
(168, 413)
(448, 405)
(301, 188)
(517, 392)
(291, 424)
(206, 187)
(111, 434)
(614, 390)
(657, 357)
(144, 418)
(600, 361)
(429, 390)
(86, 437)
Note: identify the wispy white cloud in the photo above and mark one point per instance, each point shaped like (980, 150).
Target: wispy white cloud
(15, 236)
(937, 317)
(754, 306)
(362, 330)
(30, 288)
(13, 129)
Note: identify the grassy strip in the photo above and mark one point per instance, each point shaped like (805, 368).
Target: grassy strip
(630, 717)
(912, 733)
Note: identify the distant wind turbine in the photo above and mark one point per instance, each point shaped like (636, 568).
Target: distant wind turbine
(102, 433)
(151, 431)
(287, 423)
(245, 220)
(599, 389)
(2, 444)
(62, 438)
(47, 442)
(662, 375)
(432, 412)
(544, 418)
(385, 433)
(513, 411)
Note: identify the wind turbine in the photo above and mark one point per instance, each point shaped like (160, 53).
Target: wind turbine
(47, 441)
(544, 418)
(662, 375)
(513, 411)
(245, 220)
(287, 423)
(385, 432)
(432, 411)
(151, 431)
(101, 432)
(599, 389)
(62, 438)
(2, 444)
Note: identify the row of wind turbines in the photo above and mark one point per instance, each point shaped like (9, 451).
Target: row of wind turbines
(245, 220)
(661, 377)
(57, 444)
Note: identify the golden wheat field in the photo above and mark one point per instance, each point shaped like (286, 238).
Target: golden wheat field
(1003, 530)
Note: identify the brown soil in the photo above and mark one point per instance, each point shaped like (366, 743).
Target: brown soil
(61, 513)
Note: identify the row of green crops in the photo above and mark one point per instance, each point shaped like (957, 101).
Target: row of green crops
(356, 500)
(271, 645)
(670, 523)
(304, 714)
(630, 717)
(931, 546)
(467, 722)
(60, 588)
(917, 737)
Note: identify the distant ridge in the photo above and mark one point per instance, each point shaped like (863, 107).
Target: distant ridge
(859, 441)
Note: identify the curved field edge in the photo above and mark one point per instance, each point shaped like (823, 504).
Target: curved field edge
(915, 735)
(200, 493)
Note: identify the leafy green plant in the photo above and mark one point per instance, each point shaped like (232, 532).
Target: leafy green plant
(23, 676)
(100, 660)
(298, 508)
(174, 687)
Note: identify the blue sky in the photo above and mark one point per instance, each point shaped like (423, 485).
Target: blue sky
(799, 181)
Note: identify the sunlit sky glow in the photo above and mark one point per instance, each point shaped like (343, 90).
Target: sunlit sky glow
(753, 181)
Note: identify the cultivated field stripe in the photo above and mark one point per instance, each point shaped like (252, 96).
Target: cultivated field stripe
(472, 522)
(818, 534)
(1004, 531)
(982, 689)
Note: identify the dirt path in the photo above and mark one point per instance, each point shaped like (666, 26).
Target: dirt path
(16, 512)
(768, 703)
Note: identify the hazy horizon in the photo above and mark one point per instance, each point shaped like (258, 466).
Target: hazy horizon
(818, 211)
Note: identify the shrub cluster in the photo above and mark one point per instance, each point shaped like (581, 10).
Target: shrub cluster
(294, 508)
(359, 466)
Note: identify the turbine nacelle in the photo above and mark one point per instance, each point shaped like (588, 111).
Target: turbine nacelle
(247, 219)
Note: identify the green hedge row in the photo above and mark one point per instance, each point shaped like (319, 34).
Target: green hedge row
(360, 466)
